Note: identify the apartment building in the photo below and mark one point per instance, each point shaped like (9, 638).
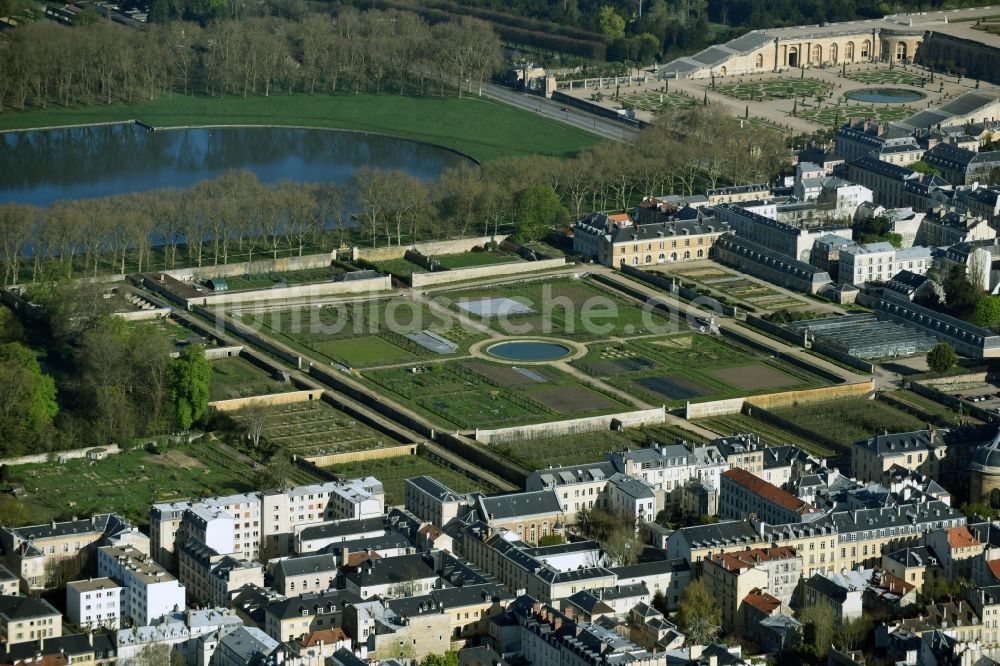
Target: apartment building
(531, 514)
(664, 467)
(696, 543)
(191, 634)
(298, 616)
(922, 451)
(24, 619)
(600, 486)
(914, 564)
(393, 577)
(743, 494)
(547, 573)
(273, 516)
(10, 584)
(879, 262)
(431, 501)
(245, 646)
(956, 549)
(307, 573)
(731, 577)
(795, 242)
(43, 555)
(213, 578)
(95, 603)
(149, 591)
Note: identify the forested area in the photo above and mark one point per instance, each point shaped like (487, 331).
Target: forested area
(237, 218)
(43, 63)
(100, 379)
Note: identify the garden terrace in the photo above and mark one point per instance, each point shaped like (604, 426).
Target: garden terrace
(393, 472)
(129, 482)
(690, 367)
(236, 377)
(850, 420)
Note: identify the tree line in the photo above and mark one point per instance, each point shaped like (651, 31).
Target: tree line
(102, 381)
(235, 217)
(44, 64)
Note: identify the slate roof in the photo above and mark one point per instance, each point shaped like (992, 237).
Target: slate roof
(14, 608)
(514, 505)
(389, 570)
(307, 564)
(916, 556)
(435, 489)
(316, 603)
(721, 533)
(248, 643)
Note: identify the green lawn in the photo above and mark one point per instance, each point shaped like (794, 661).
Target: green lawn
(481, 394)
(392, 472)
(127, 483)
(478, 127)
(469, 259)
(364, 351)
(237, 378)
(306, 276)
(576, 309)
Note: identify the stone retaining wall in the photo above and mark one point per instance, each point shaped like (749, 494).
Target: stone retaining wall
(571, 426)
(330, 459)
(72, 454)
(430, 249)
(269, 400)
(418, 280)
(315, 290)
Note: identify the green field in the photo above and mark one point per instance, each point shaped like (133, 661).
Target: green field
(689, 368)
(574, 309)
(392, 472)
(837, 115)
(481, 394)
(237, 378)
(588, 447)
(363, 333)
(478, 127)
(775, 89)
(129, 482)
(312, 428)
(399, 267)
(850, 420)
(263, 281)
(470, 259)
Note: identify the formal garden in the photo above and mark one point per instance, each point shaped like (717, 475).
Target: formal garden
(476, 393)
(837, 115)
(691, 367)
(885, 76)
(575, 309)
(309, 428)
(784, 88)
(657, 102)
(367, 333)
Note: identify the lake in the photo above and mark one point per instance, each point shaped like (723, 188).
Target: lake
(43, 166)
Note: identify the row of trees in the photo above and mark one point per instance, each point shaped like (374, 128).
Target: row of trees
(43, 63)
(237, 218)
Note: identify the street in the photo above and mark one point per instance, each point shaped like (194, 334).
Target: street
(605, 127)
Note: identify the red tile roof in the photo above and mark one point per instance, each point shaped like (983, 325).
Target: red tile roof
(894, 584)
(961, 537)
(768, 491)
(762, 601)
(747, 559)
(328, 636)
(994, 566)
(619, 217)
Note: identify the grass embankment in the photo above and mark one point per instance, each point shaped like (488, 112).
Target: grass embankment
(475, 126)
